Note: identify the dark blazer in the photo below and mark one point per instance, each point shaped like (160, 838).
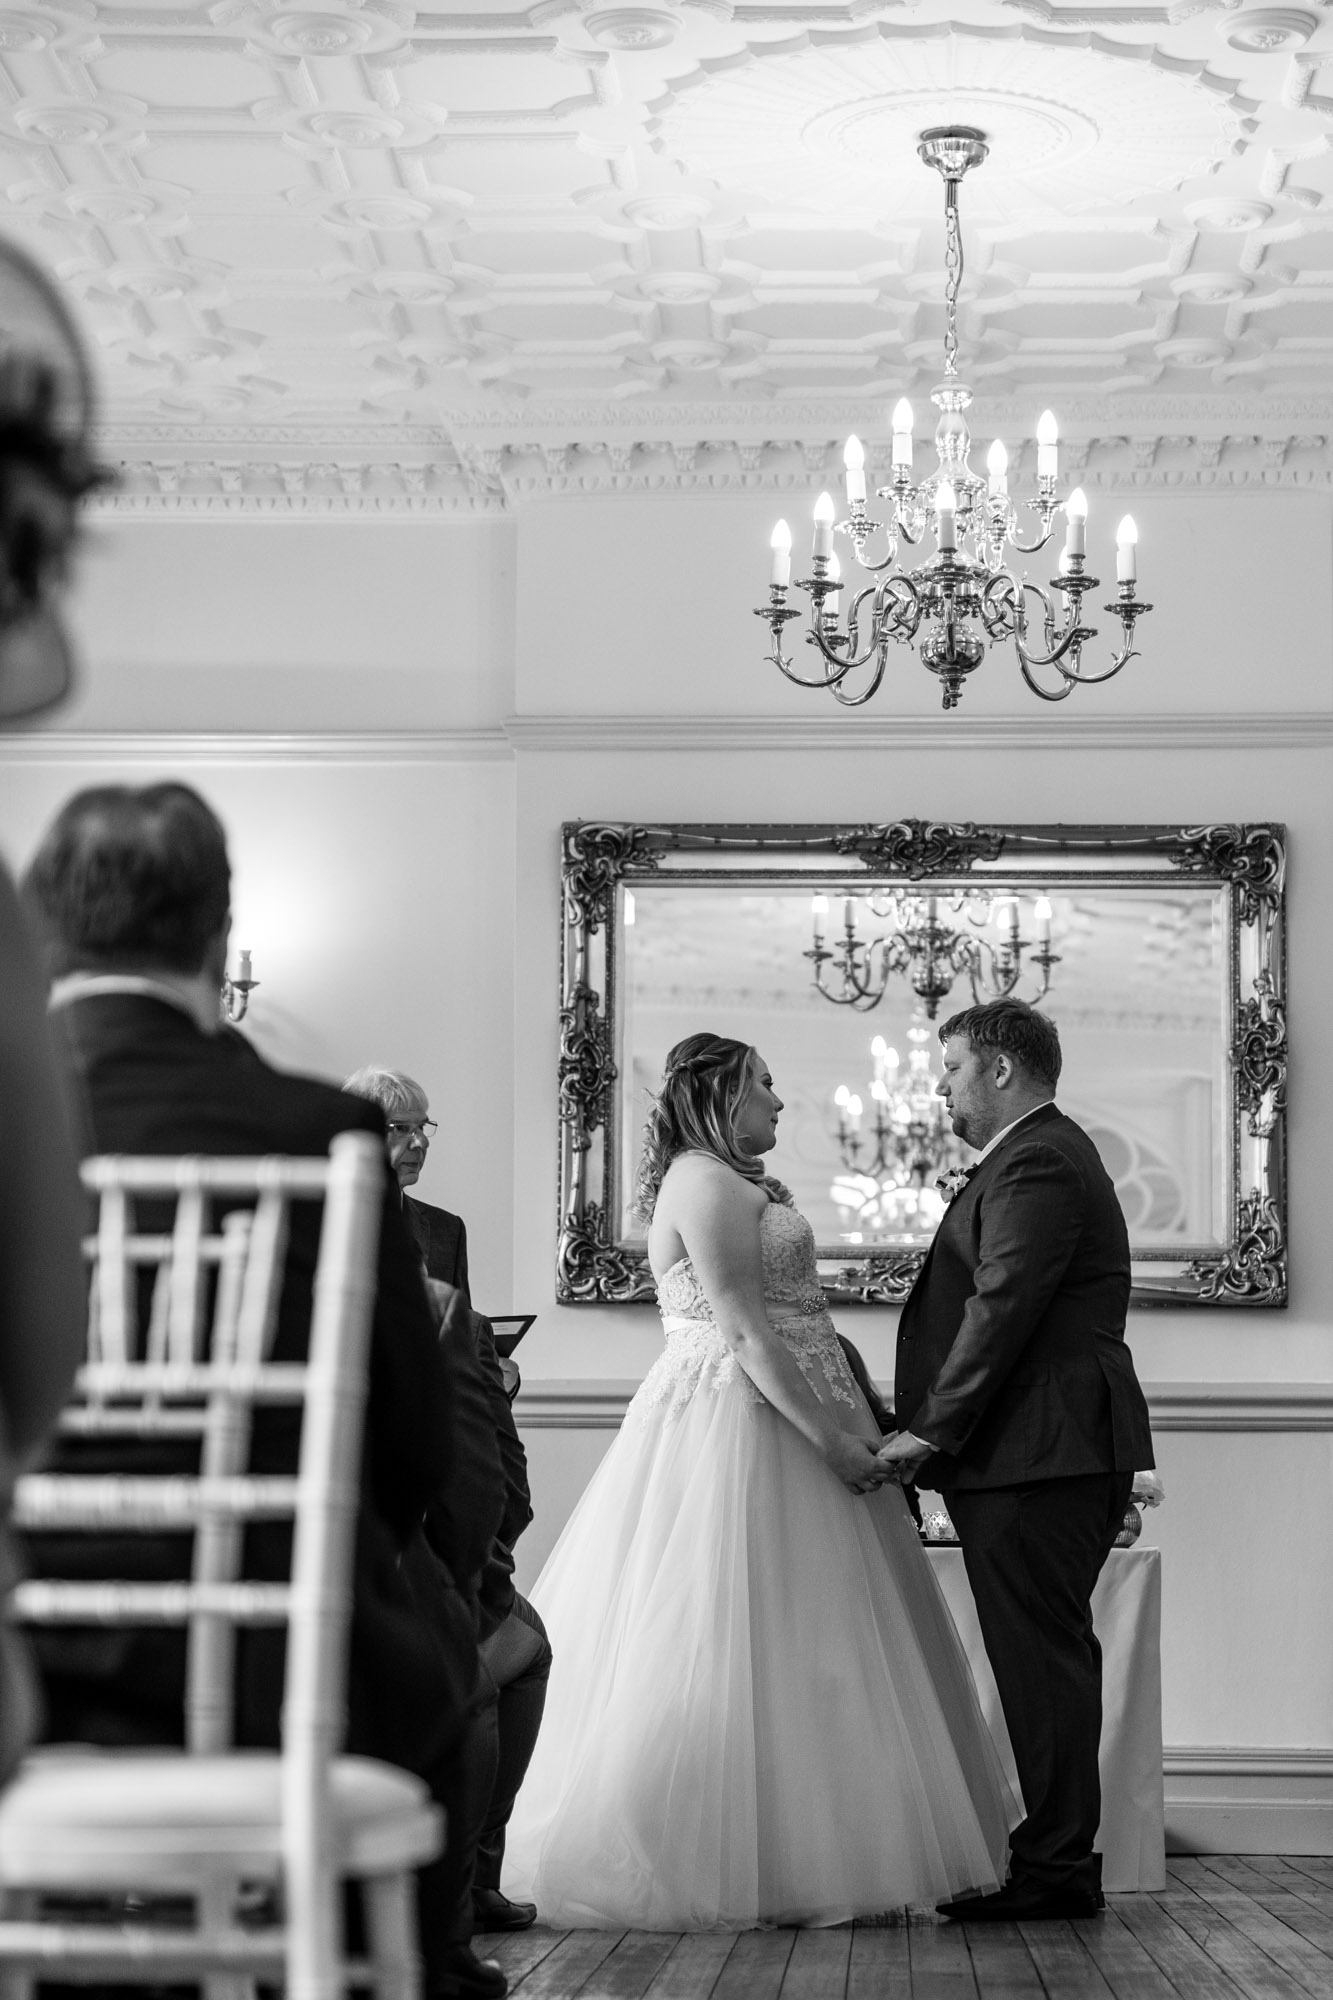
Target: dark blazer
(1011, 1347)
(442, 1240)
(151, 1082)
(485, 1424)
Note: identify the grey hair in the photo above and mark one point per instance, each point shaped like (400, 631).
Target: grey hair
(392, 1089)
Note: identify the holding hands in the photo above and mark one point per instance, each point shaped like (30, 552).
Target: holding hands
(902, 1457)
(855, 1462)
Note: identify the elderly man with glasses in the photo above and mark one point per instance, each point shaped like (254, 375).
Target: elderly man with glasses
(440, 1237)
(515, 1653)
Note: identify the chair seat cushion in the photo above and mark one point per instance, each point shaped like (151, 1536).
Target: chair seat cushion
(113, 1819)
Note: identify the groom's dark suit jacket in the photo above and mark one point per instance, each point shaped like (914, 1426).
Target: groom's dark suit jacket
(1011, 1348)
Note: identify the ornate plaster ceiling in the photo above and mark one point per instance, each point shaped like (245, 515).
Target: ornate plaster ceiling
(458, 251)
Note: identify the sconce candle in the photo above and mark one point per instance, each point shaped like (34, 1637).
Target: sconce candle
(1126, 538)
(854, 458)
(1076, 514)
(902, 434)
(1048, 449)
(823, 527)
(780, 543)
(997, 468)
(244, 969)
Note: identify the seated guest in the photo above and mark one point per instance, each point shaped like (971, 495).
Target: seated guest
(440, 1236)
(514, 1646)
(131, 889)
(45, 472)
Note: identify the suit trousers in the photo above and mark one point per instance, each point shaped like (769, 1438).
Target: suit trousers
(518, 1658)
(1033, 1554)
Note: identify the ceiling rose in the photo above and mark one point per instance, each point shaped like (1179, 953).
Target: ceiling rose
(834, 128)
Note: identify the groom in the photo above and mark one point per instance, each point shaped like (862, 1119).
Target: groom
(1017, 1401)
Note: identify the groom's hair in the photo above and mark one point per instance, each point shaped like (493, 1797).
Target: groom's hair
(1011, 1028)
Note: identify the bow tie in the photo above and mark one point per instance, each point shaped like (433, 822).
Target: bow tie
(952, 1184)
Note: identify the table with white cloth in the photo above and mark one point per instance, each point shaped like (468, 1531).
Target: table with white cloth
(1127, 1613)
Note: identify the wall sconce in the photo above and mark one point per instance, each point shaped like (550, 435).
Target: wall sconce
(236, 992)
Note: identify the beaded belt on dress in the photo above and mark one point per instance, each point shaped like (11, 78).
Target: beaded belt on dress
(786, 1308)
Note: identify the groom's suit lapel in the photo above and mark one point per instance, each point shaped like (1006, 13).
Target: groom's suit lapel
(979, 1176)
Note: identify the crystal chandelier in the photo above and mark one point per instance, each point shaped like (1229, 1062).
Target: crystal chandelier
(927, 952)
(890, 1165)
(965, 596)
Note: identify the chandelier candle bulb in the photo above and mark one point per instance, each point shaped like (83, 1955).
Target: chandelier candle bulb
(1048, 449)
(854, 458)
(780, 543)
(902, 435)
(946, 518)
(854, 1108)
(835, 578)
(823, 548)
(1126, 538)
(1042, 914)
(244, 970)
(848, 913)
(997, 467)
(818, 911)
(1076, 514)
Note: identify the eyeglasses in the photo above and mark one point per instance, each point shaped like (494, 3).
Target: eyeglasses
(424, 1128)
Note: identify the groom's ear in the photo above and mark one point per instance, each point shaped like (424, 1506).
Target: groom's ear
(1004, 1071)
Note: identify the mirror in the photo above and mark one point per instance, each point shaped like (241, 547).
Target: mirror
(839, 951)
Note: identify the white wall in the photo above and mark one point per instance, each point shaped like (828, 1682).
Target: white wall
(401, 901)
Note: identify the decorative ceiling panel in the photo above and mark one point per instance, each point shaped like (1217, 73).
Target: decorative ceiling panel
(502, 232)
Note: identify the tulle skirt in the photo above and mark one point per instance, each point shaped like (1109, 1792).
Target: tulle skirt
(759, 1710)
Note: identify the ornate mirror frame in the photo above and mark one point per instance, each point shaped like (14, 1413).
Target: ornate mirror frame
(600, 860)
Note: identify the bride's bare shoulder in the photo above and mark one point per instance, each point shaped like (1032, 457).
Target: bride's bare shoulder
(693, 1179)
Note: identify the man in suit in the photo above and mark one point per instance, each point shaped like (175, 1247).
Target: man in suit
(131, 890)
(1016, 1399)
(440, 1237)
(514, 1648)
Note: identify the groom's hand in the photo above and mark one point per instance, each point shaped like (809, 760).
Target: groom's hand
(903, 1456)
(855, 1462)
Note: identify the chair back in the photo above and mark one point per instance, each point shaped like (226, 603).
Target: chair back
(181, 1326)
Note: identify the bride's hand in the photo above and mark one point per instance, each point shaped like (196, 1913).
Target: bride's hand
(854, 1462)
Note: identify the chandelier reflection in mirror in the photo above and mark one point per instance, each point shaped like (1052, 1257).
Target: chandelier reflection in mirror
(965, 596)
(886, 1191)
(928, 953)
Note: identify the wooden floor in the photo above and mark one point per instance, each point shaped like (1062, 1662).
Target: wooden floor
(1242, 1928)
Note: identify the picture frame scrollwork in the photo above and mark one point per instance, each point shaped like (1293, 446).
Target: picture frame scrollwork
(595, 1265)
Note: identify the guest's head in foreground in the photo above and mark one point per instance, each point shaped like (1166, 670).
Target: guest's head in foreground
(46, 471)
(136, 880)
(406, 1111)
(1001, 1060)
(716, 1097)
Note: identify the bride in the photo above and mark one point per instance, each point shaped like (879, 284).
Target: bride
(759, 1711)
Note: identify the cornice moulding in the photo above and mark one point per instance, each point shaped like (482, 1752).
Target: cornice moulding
(828, 730)
(201, 747)
(1174, 1406)
(481, 470)
(733, 735)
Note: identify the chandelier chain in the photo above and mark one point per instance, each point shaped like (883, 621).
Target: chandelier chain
(953, 276)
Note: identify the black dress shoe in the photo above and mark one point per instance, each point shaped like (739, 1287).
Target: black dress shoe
(464, 1976)
(492, 1911)
(1025, 1903)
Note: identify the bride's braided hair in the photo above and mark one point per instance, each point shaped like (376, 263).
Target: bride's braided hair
(705, 1078)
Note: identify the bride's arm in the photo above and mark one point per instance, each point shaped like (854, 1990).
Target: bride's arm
(718, 1222)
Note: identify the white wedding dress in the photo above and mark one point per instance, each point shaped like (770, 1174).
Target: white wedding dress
(759, 1710)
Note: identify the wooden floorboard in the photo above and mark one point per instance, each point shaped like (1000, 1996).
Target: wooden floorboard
(1226, 1927)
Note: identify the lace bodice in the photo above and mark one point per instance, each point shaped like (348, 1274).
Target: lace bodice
(697, 1357)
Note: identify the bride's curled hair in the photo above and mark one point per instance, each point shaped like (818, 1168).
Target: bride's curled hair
(705, 1078)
